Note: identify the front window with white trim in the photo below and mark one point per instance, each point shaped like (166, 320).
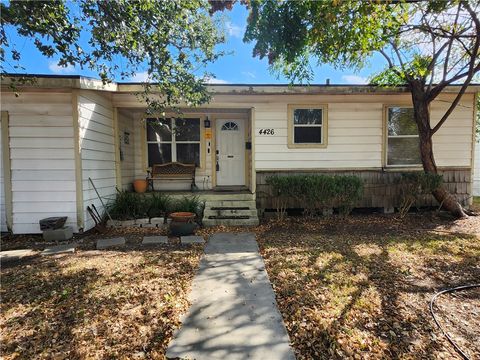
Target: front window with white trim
(173, 140)
(308, 126)
(403, 143)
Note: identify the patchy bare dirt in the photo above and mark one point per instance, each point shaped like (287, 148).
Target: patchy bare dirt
(360, 287)
(347, 288)
(117, 304)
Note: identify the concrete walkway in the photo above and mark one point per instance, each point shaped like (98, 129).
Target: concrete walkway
(234, 314)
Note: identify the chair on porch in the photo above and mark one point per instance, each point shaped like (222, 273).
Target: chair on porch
(172, 171)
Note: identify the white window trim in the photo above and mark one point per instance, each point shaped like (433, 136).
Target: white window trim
(387, 137)
(291, 126)
(174, 142)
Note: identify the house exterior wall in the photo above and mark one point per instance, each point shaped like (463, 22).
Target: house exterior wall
(97, 144)
(127, 145)
(3, 214)
(355, 133)
(42, 158)
(476, 179)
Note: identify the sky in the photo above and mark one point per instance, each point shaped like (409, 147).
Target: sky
(238, 67)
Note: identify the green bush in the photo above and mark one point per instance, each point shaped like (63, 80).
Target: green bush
(188, 204)
(412, 185)
(128, 206)
(316, 193)
(158, 205)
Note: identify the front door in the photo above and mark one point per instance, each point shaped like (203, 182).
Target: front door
(230, 154)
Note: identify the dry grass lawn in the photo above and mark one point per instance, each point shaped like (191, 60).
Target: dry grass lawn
(95, 305)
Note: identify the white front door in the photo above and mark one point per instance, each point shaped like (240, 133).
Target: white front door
(230, 154)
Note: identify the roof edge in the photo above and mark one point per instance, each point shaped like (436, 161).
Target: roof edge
(51, 81)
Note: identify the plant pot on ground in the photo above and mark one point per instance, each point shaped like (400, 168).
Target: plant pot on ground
(140, 185)
(182, 228)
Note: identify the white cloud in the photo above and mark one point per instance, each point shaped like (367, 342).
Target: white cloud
(249, 74)
(354, 79)
(215, 81)
(57, 69)
(140, 77)
(234, 30)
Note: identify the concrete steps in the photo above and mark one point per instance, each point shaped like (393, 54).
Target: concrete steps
(233, 210)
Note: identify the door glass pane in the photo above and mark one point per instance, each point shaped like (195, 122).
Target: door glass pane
(307, 135)
(307, 116)
(188, 153)
(187, 129)
(159, 130)
(403, 151)
(159, 154)
(401, 122)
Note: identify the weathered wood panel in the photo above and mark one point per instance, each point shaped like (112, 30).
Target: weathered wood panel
(380, 189)
(42, 158)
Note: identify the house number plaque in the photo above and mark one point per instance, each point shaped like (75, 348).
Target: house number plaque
(266, 132)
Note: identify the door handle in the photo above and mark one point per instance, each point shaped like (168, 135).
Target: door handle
(230, 156)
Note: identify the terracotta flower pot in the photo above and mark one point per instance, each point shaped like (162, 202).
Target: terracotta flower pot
(140, 185)
(182, 217)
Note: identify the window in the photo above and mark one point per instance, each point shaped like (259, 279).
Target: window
(307, 126)
(230, 126)
(402, 137)
(173, 140)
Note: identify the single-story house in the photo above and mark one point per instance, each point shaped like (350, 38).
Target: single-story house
(63, 130)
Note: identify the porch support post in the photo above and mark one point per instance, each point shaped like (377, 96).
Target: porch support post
(118, 162)
(7, 171)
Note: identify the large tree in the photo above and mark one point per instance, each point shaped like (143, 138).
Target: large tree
(170, 42)
(427, 46)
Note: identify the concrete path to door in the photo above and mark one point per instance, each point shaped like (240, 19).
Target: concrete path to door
(233, 314)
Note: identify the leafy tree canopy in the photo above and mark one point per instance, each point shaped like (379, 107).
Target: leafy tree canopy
(172, 41)
(428, 40)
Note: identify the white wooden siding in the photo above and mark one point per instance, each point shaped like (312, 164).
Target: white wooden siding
(95, 116)
(355, 131)
(476, 178)
(42, 158)
(3, 218)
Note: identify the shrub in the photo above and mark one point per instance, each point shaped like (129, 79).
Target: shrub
(188, 204)
(128, 206)
(348, 191)
(316, 192)
(413, 185)
(158, 205)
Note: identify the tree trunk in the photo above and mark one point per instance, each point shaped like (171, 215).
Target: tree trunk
(422, 118)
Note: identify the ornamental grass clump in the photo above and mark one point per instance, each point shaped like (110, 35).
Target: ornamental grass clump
(128, 206)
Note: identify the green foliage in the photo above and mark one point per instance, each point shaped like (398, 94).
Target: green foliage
(413, 185)
(158, 205)
(171, 41)
(188, 204)
(316, 192)
(128, 206)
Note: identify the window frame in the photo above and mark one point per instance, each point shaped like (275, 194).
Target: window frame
(386, 108)
(291, 126)
(173, 141)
